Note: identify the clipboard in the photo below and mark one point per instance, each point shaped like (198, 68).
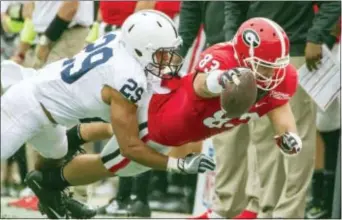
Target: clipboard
(323, 85)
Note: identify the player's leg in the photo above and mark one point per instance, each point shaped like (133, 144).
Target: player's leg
(328, 125)
(51, 143)
(253, 185)
(88, 168)
(231, 171)
(269, 167)
(299, 169)
(284, 181)
(15, 107)
(81, 170)
(140, 206)
(110, 158)
(85, 133)
(118, 205)
(69, 44)
(21, 118)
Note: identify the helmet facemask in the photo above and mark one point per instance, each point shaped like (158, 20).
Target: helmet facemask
(268, 82)
(166, 63)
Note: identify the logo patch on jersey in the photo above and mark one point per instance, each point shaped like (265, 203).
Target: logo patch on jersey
(251, 38)
(279, 95)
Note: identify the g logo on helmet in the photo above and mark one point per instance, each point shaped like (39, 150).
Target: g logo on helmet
(251, 38)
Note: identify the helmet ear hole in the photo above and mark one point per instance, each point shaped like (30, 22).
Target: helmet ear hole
(138, 52)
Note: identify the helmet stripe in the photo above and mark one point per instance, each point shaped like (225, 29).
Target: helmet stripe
(166, 17)
(278, 30)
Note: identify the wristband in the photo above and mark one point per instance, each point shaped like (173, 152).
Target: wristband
(56, 28)
(213, 83)
(172, 165)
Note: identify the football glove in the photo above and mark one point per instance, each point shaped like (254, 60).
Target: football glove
(289, 143)
(14, 19)
(232, 75)
(191, 164)
(13, 26)
(28, 33)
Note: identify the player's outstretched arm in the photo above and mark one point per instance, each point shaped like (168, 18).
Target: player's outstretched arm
(286, 132)
(125, 128)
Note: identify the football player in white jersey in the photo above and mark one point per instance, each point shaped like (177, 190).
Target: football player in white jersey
(107, 79)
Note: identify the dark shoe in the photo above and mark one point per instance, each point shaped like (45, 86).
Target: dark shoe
(139, 209)
(78, 210)
(51, 202)
(118, 208)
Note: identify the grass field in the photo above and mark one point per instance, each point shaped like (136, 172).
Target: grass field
(18, 213)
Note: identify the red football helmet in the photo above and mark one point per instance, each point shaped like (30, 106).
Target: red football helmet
(261, 43)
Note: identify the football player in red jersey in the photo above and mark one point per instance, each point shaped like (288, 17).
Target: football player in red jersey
(191, 110)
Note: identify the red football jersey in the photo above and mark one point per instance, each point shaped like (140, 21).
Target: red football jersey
(116, 12)
(181, 116)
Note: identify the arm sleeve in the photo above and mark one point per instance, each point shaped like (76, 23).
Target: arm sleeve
(234, 16)
(324, 20)
(189, 24)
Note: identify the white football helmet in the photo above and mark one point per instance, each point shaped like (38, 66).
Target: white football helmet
(152, 38)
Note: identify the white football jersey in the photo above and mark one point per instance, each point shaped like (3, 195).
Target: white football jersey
(70, 89)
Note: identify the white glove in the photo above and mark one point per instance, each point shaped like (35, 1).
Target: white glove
(289, 143)
(191, 164)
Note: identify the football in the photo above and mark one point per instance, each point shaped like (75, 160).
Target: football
(238, 98)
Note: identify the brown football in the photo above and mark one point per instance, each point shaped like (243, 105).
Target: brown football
(238, 99)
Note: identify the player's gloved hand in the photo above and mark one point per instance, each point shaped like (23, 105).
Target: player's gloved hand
(13, 20)
(28, 33)
(191, 164)
(232, 75)
(12, 26)
(217, 79)
(289, 143)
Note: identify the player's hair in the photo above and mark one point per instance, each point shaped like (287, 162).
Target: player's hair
(238, 99)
